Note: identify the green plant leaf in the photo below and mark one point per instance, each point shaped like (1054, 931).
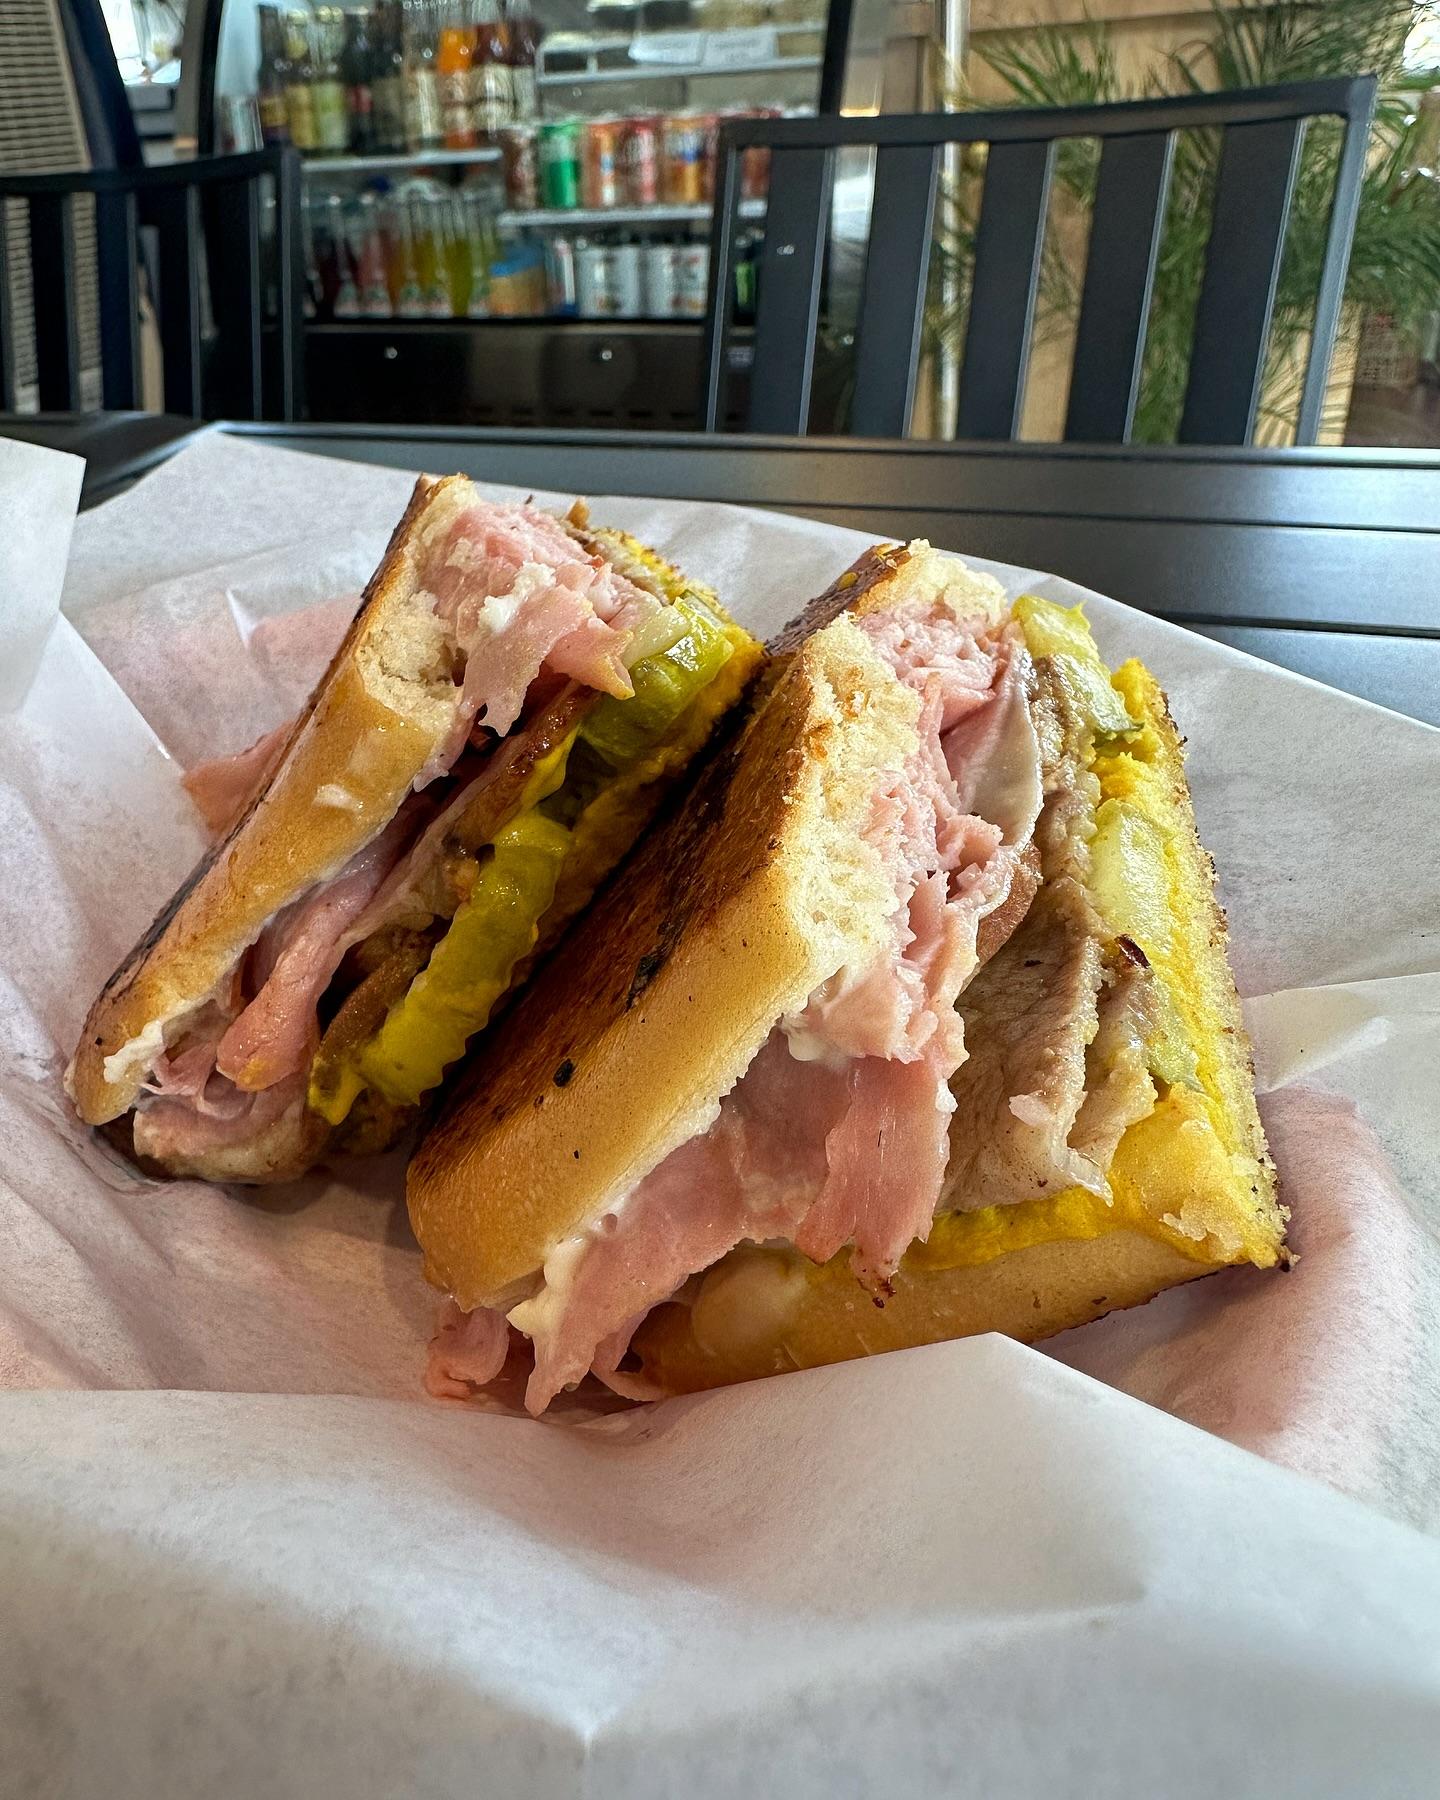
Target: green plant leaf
(1395, 255)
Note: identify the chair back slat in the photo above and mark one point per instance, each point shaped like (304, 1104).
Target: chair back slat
(289, 400)
(52, 273)
(788, 302)
(1251, 209)
(7, 316)
(1344, 211)
(233, 232)
(720, 304)
(1263, 132)
(116, 248)
(1008, 243)
(175, 213)
(1125, 227)
(892, 302)
(258, 367)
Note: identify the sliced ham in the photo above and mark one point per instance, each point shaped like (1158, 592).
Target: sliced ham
(468, 1350)
(753, 1174)
(276, 1034)
(939, 649)
(222, 789)
(885, 1162)
(511, 581)
(838, 1133)
(542, 626)
(190, 1078)
(174, 1131)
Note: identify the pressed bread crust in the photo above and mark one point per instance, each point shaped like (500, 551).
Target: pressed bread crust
(384, 707)
(754, 888)
(757, 1317)
(647, 1015)
(352, 732)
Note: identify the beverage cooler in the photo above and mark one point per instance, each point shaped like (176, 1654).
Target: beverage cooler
(507, 210)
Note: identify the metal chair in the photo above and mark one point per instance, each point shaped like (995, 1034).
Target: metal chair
(1263, 132)
(207, 218)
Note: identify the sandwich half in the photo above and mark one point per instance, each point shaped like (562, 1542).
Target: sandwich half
(504, 715)
(912, 1021)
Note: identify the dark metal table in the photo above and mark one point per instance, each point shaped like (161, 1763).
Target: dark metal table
(1325, 561)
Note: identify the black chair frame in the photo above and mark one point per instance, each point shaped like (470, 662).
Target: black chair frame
(1263, 134)
(225, 193)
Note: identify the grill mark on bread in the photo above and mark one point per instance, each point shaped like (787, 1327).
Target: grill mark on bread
(876, 565)
(711, 841)
(119, 984)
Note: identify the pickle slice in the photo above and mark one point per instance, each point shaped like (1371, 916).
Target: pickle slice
(401, 1050)
(1130, 885)
(1062, 632)
(335, 1081)
(665, 684)
(470, 968)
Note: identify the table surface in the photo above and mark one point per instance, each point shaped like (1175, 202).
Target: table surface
(1323, 561)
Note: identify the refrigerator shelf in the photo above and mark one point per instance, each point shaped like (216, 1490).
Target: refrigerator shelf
(770, 65)
(676, 55)
(554, 218)
(400, 159)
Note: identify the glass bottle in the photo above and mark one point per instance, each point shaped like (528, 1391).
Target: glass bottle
(459, 264)
(422, 87)
(494, 93)
(522, 41)
(332, 128)
(480, 230)
(388, 81)
(367, 255)
(453, 63)
(409, 297)
(300, 83)
(357, 67)
(270, 78)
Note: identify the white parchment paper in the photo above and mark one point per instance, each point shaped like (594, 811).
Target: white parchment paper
(969, 1569)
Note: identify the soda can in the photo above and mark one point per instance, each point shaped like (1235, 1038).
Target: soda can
(600, 167)
(642, 162)
(595, 289)
(560, 275)
(559, 159)
(684, 136)
(658, 279)
(520, 154)
(692, 280)
(629, 281)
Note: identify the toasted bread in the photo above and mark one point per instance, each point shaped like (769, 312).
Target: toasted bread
(386, 707)
(381, 710)
(749, 894)
(1194, 1191)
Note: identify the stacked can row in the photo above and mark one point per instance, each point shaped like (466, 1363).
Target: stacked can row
(601, 164)
(610, 277)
